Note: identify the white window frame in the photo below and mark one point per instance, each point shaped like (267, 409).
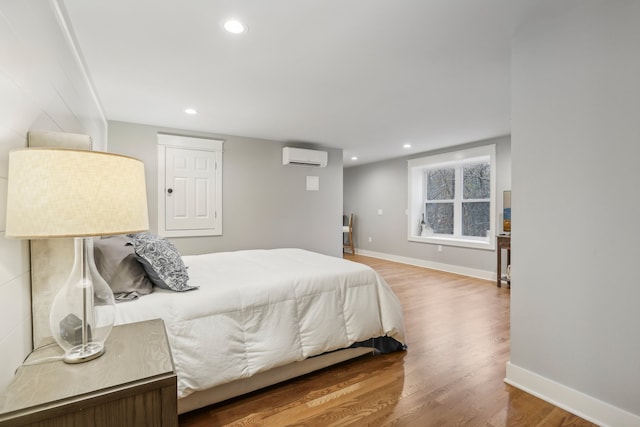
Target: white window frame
(416, 168)
(195, 143)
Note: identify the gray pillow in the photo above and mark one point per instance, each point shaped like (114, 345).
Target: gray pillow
(119, 267)
(162, 261)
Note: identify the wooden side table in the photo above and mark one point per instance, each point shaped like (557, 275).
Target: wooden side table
(132, 384)
(504, 242)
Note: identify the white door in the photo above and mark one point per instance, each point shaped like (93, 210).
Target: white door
(190, 189)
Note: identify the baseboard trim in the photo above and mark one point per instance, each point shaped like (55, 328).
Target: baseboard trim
(574, 401)
(450, 268)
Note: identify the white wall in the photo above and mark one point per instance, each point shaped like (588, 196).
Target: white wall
(43, 87)
(383, 185)
(576, 207)
(265, 204)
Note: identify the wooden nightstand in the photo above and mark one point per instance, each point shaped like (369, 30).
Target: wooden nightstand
(132, 384)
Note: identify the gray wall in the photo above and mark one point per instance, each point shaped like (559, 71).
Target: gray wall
(265, 204)
(42, 87)
(383, 185)
(576, 145)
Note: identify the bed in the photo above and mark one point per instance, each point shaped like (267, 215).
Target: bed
(258, 310)
(256, 318)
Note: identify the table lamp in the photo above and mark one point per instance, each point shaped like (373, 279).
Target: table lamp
(60, 193)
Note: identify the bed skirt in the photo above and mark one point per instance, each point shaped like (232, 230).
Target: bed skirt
(200, 399)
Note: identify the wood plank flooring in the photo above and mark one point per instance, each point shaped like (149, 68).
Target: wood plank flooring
(452, 373)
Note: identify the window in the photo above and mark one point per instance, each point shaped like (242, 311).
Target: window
(452, 198)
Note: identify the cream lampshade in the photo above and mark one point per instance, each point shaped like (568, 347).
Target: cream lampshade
(58, 193)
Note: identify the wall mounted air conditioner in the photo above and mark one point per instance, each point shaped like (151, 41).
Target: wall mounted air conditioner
(304, 157)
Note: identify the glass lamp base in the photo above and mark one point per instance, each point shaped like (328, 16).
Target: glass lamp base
(84, 353)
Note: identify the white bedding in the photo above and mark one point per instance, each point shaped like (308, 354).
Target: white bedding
(259, 309)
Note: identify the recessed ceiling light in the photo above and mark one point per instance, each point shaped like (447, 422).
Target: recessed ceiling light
(354, 158)
(407, 145)
(234, 26)
(190, 111)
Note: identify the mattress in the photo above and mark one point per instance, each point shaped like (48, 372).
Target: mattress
(259, 309)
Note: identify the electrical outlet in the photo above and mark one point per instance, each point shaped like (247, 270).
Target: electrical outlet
(439, 248)
(370, 239)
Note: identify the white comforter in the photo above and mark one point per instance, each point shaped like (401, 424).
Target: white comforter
(259, 309)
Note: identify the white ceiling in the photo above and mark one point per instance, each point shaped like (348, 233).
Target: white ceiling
(366, 76)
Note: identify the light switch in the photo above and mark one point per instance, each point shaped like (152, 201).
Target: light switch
(313, 183)
(379, 211)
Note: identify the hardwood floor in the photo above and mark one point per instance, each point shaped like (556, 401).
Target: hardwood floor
(452, 373)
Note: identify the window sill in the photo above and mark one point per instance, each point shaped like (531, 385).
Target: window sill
(452, 241)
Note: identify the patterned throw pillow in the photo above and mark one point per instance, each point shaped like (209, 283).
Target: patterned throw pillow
(162, 261)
